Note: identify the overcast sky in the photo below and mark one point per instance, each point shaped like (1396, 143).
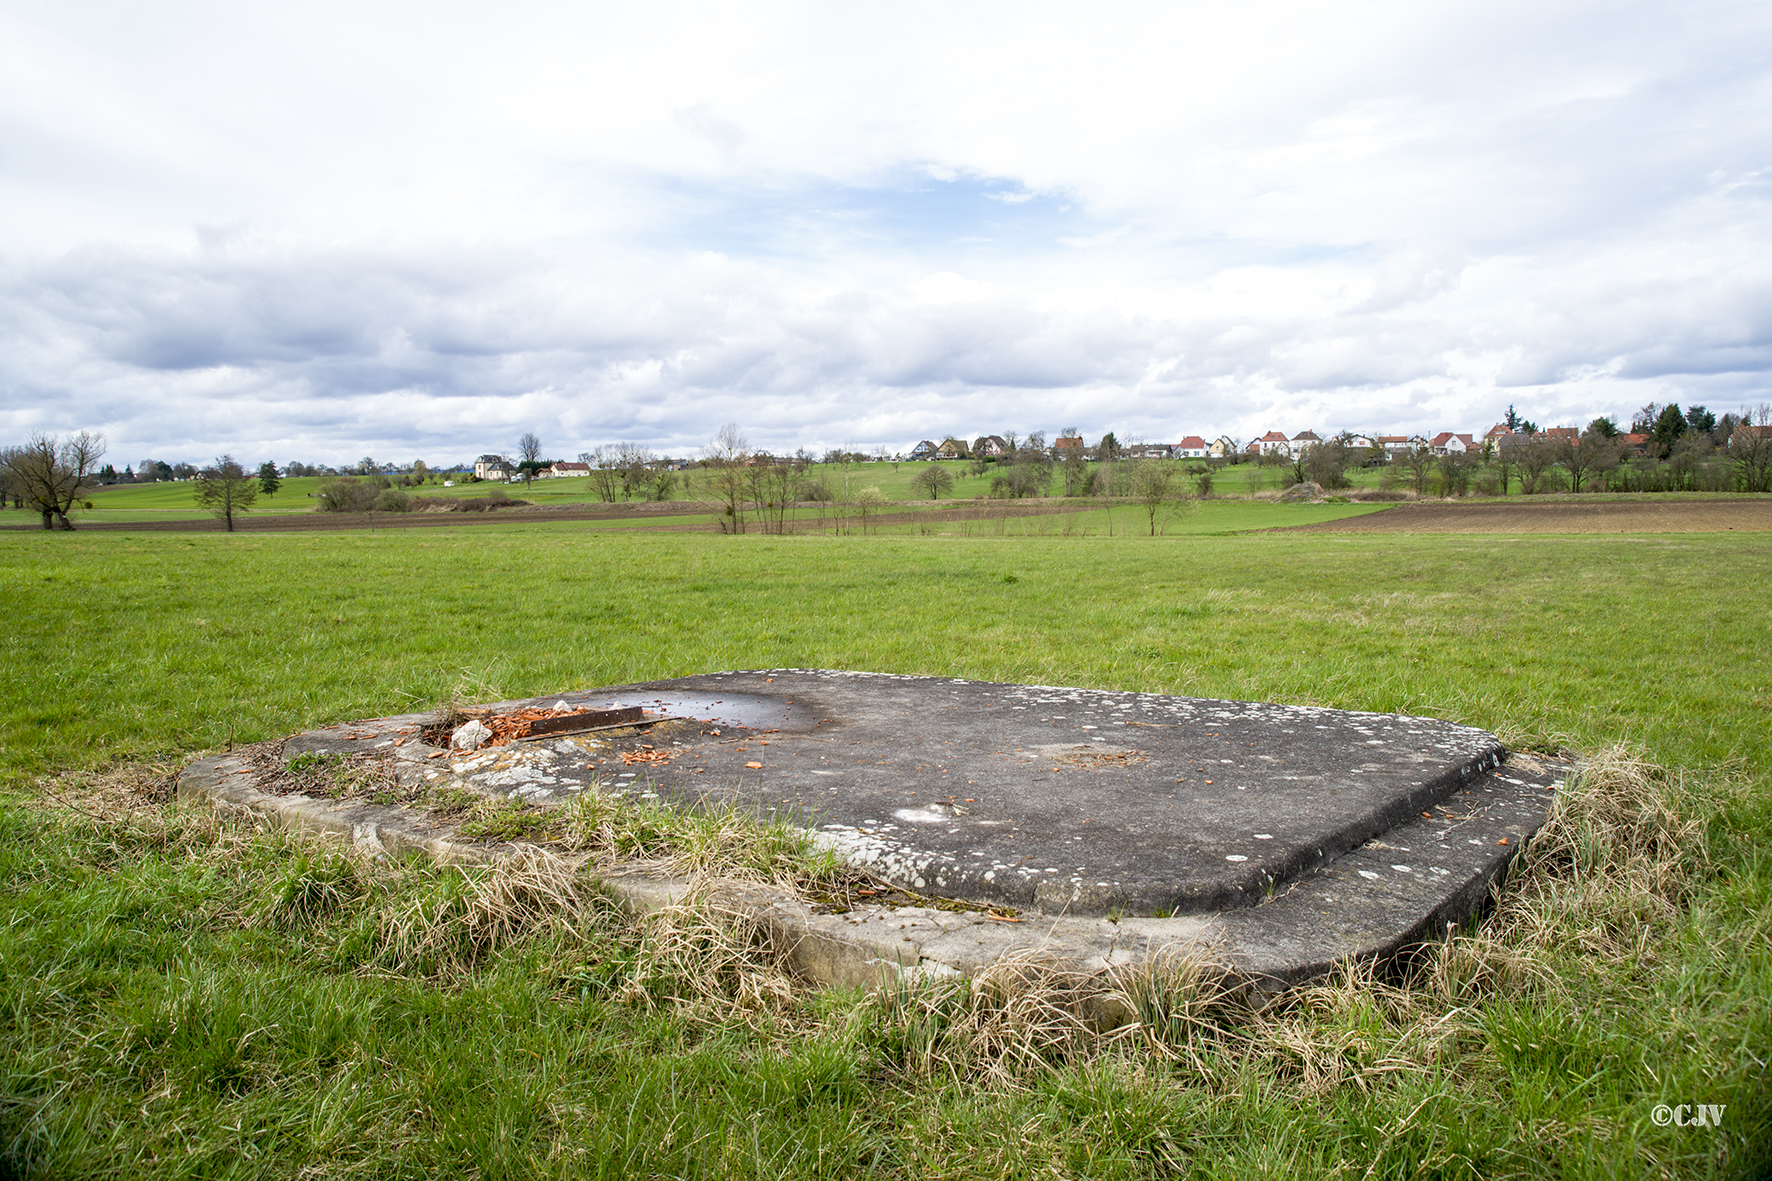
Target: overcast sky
(318, 231)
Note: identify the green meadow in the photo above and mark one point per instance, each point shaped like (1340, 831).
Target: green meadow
(174, 501)
(181, 996)
(143, 503)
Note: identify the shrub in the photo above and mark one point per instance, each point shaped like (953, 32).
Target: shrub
(392, 500)
(1021, 480)
(347, 494)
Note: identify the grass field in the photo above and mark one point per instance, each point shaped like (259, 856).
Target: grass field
(148, 502)
(182, 998)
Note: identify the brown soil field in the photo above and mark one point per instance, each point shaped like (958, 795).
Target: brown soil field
(1562, 515)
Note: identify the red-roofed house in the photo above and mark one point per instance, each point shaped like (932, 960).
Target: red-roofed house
(1272, 443)
(1192, 447)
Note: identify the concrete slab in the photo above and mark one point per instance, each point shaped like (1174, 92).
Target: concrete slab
(1281, 839)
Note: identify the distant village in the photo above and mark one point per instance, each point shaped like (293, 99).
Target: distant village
(1651, 436)
(1273, 444)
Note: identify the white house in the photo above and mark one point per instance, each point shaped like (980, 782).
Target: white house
(1192, 447)
(1272, 443)
(492, 467)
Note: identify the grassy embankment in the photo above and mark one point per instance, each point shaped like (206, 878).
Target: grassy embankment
(186, 999)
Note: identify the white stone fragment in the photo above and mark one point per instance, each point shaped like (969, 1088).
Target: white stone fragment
(470, 735)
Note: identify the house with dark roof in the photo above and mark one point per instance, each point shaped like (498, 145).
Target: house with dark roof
(923, 450)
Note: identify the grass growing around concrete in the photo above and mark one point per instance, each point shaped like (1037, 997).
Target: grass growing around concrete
(182, 997)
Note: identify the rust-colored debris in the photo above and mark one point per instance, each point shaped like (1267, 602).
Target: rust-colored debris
(509, 727)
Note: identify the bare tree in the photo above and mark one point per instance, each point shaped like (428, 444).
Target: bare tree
(1750, 446)
(1505, 460)
(933, 480)
(1455, 472)
(869, 503)
(51, 475)
(529, 455)
(1418, 464)
(1076, 472)
(1154, 486)
(773, 483)
(726, 457)
(1327, 463)
(1591, 453)
(225, 490)
(1537, 457)
(605, 472)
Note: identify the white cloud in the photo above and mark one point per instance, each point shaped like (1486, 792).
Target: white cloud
(404, 228)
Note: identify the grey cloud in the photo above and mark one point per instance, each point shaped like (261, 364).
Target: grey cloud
(326, 354)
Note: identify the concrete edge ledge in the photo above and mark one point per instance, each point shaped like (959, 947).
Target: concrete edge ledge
(1372, 903)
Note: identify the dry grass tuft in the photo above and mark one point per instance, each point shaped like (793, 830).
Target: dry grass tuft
(124, 789)
(710, 963)
(1177, 1008)
(1023, 1016)
(1353, 1028)
(474, 912)
(1620, 855)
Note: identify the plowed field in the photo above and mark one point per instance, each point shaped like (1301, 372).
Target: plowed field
(1660, 515)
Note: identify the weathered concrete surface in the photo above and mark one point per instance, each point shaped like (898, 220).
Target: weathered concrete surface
(1065, 800)
(1275, 840)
